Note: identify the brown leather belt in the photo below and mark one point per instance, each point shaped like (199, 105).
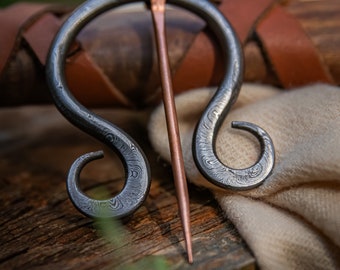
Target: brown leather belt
(37, 24)
(292, 55)
(202, 57)
(14, 20)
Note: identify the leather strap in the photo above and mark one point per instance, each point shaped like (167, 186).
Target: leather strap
(292, 54)
(202, 59)
(90, 85)
(243, 15)
(12, 20)
(40, 35)
(85, 79)
(39, 27)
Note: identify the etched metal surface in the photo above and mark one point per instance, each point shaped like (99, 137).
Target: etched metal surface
(207, 129)
(135, 164)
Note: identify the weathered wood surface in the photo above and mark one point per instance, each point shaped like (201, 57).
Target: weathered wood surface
(40, 229)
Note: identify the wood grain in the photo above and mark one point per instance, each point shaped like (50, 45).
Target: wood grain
(40, 228)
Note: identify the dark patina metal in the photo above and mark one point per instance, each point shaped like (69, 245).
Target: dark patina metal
(135, 163)
(204, 139)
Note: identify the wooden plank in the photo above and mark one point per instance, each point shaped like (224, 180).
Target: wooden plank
(40, 228)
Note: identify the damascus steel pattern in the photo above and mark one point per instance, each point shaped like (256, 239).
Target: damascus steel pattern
(212, 118)
(136, 166)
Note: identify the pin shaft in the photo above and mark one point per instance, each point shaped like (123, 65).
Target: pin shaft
(158, 15)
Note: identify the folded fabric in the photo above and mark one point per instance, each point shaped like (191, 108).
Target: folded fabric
(291, 221)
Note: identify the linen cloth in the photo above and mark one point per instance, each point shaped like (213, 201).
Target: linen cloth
(291, 221)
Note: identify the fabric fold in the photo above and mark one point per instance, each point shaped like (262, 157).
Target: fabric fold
(291, 221)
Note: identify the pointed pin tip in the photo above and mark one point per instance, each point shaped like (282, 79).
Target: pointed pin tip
(188, 243)
(190, 257)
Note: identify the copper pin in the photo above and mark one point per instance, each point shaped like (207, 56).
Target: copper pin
(158, 15)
